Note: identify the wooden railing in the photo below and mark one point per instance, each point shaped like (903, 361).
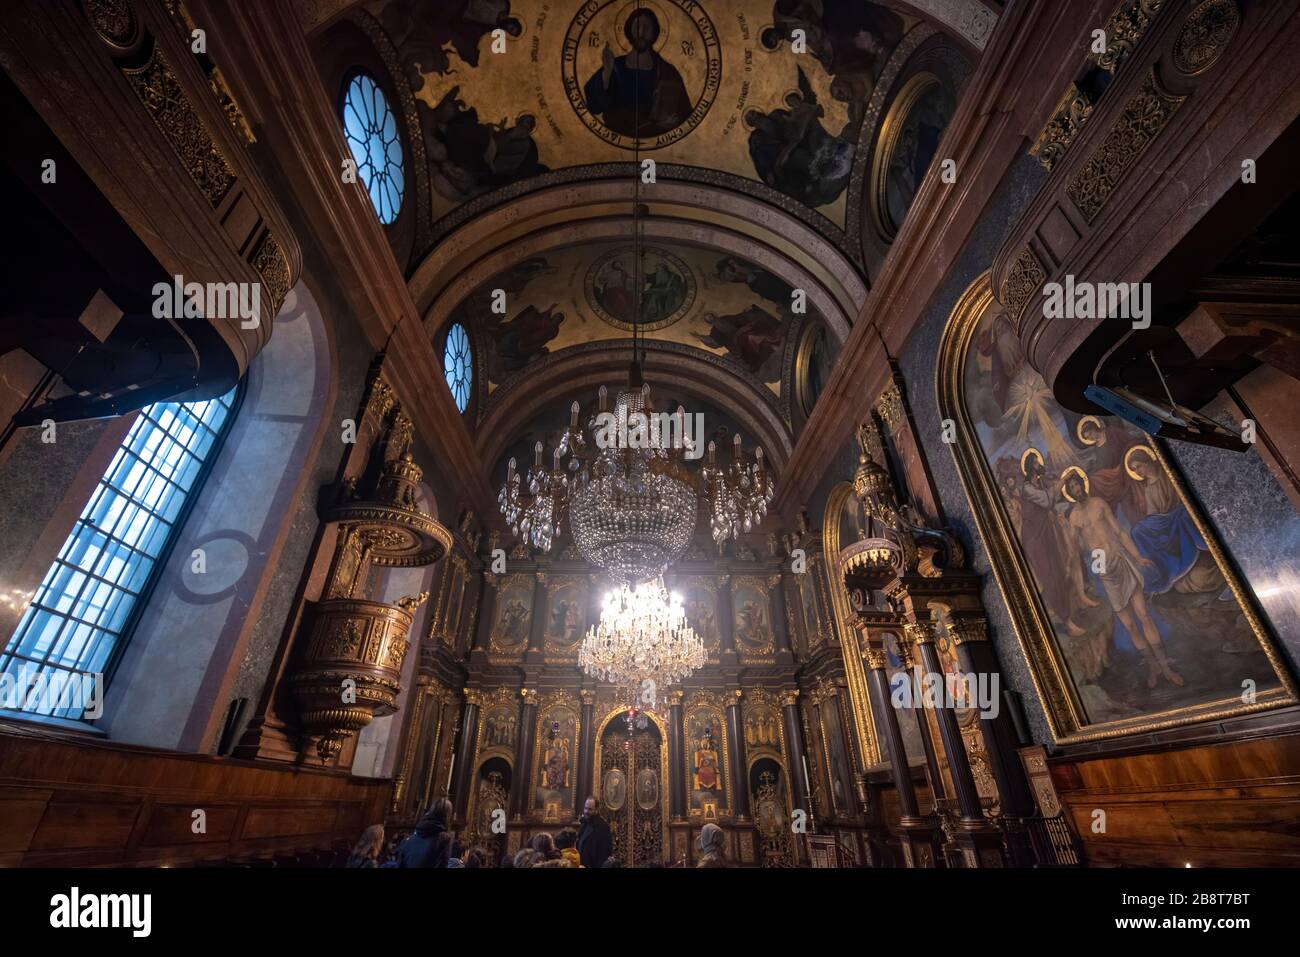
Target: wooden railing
(68, 799)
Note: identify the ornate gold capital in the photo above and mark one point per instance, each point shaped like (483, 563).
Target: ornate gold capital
(789, 698)
(587, 697)
(528, 696)
(919, 633)
(675, 698)
(475, 697)
(874, 657)
(966, 630)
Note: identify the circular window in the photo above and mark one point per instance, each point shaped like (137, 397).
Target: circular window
(457, 365)
(371, 131)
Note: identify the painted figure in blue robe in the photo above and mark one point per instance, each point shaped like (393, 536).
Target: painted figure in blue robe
(640, 93)
(1167, 536)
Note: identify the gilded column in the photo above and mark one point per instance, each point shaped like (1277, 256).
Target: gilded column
(676, 757)
(464, 755)
(976, 656)
(795, 751)
(586, 750)
(780, 620)
(520, 783)
(979, 842)
(887, 722)
(739, 770)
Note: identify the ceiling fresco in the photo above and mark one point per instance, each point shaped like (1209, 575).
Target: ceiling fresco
(691, 296)
(713, 85)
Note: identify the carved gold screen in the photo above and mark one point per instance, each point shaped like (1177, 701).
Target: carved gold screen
(632, 787)
(1154, 631)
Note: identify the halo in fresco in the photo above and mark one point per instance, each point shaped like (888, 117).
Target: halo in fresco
(667, 288)
(647, 71)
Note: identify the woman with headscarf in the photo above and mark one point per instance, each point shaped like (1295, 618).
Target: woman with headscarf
(712, 847)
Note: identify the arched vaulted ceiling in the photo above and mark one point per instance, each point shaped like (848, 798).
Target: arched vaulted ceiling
(759, 231)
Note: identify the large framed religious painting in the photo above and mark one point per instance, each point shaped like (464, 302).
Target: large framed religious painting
(700, 602)
(566, 615)
(706, 757)
(512, 615)
(752, 616)
(556, 757)
(1126, 605)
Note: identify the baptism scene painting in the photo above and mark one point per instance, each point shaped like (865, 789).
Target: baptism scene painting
(508, 90)
(722, 305)
(1144, 617)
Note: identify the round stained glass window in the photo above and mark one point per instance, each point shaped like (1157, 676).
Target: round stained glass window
(457, 365)
(370, 128)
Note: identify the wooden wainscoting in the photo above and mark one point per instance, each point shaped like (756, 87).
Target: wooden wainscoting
(67, 799)
(1229, 804)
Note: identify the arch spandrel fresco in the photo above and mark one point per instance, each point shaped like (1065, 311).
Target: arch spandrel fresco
(696, 298)
(1130, 612)
(582, 83)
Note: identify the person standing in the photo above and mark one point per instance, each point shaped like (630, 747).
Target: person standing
(595, 843)
(366, 851)
(712, 847)
(430, 845)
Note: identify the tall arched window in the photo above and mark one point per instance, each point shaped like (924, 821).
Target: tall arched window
(370, 128)
(80, 616)
(457, 365)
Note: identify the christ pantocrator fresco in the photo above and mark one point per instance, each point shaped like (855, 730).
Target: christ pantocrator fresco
(509, 90)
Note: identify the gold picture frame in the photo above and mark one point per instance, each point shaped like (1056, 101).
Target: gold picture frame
(1034, 631)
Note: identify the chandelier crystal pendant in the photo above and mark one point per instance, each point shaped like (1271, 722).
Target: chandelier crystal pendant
(642, 636)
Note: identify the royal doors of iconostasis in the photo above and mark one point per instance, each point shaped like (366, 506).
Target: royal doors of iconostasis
(632, 779)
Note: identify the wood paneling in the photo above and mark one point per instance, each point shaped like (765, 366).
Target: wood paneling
(1235, 803)
(68, 799)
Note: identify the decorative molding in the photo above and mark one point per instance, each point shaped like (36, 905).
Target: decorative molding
(1067, 120)
(891, 408)
(270, 262)
(1124, 31)
(165, 101)
(1023, 279)
(1144, 117)
(1205, 35)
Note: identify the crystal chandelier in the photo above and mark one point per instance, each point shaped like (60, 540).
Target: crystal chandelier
(632, 505)
(642, 636)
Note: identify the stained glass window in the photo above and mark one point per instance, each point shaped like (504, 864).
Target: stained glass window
(457, 365)
(81, 613)
(370, 128)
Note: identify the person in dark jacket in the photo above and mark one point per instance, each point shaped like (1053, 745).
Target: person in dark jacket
(430, 845)
(595, 843)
